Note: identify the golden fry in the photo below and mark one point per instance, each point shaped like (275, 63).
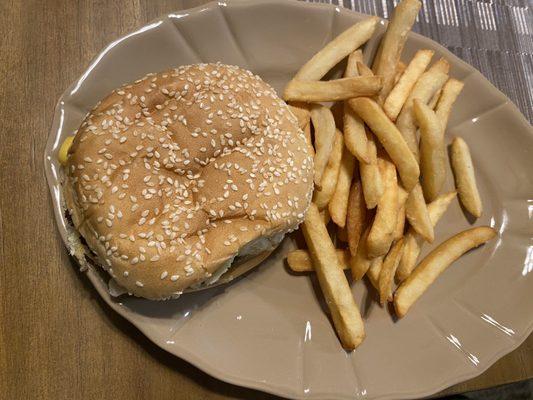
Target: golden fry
(334, 90)
(388, 269)
(400, 92)
(391, 139)
(400, 219)
(322, 196)
(333, 282)
(416, 212)
(465, 179)
(364, 70)
(370, 176)
(324, 125)
(330, 55)
(356, 217)
(380, 235)
(450, 92)
(351, 64)
(301, 112)
(391, 46)
(413, 241)
(360, 263)
(300, 260)
(432, 150)
(435, 263)
(338, 204)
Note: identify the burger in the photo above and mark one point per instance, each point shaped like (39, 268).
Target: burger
(183, 175)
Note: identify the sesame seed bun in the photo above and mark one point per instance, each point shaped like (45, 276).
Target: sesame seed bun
(171, 177)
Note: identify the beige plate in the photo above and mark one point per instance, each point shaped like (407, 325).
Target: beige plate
(268, 329)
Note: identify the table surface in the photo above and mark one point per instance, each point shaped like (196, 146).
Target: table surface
(58, 339)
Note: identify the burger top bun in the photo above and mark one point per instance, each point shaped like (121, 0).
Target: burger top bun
(170, 176)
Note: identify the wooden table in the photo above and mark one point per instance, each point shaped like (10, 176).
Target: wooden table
(58, 340)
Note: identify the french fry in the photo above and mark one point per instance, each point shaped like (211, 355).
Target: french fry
(325, 216)
(356, 216)
(432, 150)
(427, 85)
(388, 269)
(441, 66)
(333, 90)
(400, 69)
(333, 282)
(351, 63)
(391, 46)
(364, 70)
(330, 55)
(300, 260)
(380, 235)
(435, 263)
(390, 137)
(370, 176)
(301, 112)
(450, 92)
(322, 196)
(374, 270)
(465, 179)
(400, 219)
(360, 263)
(353, 127)
(400, 92)
(324, 125)
(338, 205)
(416, 212)
(413, 241)
(433, 102)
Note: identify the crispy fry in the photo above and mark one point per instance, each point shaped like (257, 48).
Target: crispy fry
(400, 92)
(416, 212)
(427, 85)
(360, 263)
(433, 102)
(400, 219)
(374, 270)
(351, 64)
(322, 196)
(398, 72)
(300, 260)
(450, 92)
(432, 150)
(380, 235)
(325, 216)
(301, 112)
(333, 282)
(356, 217)
(324, 125)
(441, 66)
(435, 263)
(391, 46)
(364, 70)
(351, 39)
(337, 89)
(370, 176)
(465, 178)
(413, 241)
(389, 136)
(353, 127)
(338, 204)
(388, 269)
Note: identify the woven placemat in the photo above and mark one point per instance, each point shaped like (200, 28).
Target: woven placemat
(496, 37)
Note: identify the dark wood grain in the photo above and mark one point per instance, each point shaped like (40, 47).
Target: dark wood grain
(58, 340)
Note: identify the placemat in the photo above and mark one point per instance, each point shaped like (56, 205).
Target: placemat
(496, 37)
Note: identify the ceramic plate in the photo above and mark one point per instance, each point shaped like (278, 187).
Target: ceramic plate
(268, 329)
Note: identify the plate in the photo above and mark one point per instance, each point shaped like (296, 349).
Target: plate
(268, 330)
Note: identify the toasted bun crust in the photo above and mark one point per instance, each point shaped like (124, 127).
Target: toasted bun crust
(170, 176)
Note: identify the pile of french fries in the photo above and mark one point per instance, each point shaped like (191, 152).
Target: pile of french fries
(379, 170)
